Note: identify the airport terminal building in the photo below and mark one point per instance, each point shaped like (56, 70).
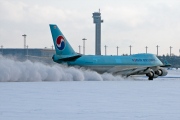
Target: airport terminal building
(30, 53)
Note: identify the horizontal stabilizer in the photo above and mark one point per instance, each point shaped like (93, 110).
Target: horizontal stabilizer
(70, 58)
(64, 58)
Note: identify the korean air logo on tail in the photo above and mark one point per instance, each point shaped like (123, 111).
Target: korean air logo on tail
(60, 43)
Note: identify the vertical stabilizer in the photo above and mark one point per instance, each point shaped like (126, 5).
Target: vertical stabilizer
(62, 47)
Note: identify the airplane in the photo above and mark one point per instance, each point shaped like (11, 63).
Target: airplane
(137, 64)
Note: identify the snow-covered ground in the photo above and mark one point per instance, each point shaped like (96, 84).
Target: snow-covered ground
(91, 100)
(107, 98)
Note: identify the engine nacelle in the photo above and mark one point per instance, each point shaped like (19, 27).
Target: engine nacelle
(161, 72)
(149, 72)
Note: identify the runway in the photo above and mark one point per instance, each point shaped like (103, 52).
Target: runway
(87, 100)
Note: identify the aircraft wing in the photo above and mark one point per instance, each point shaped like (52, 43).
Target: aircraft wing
(166, 64)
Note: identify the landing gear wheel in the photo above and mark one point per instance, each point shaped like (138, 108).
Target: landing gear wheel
(150, 78)
(151, 75)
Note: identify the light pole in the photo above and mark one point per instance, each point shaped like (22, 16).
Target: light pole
(52, 47)
(146, 49)
(105, 49)
(24, 40)
(117, 49)
(130, 49)
(79, 49)
(84, 45)
(27, 51)
(1, 50)
(157, 49)
(170, 50)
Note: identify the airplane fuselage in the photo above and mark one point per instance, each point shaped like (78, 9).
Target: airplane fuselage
(103, 64)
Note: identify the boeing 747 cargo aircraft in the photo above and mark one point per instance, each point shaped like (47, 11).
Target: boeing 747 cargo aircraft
(137, 64)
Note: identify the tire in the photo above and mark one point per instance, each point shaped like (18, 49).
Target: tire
(150, 78)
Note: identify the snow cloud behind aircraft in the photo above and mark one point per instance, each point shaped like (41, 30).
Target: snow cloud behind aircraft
(12, 70)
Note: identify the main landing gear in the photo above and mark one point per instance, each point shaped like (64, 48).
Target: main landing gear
(150, 75)
(150, 78)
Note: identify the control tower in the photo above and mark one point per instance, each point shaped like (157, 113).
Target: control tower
(97, 20)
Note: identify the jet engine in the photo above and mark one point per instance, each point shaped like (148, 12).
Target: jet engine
(150, 73)
(161, 72)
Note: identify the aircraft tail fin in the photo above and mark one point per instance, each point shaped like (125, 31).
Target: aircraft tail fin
(64, 51)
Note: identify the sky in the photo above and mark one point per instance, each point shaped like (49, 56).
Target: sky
(138, 23)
